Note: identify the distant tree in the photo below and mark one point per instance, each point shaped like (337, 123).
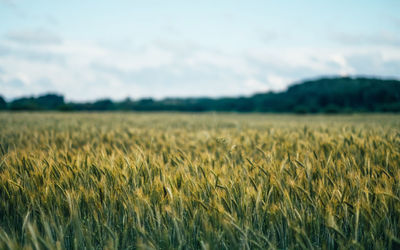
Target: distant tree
(103, 105)
(325, 95)
(3, 103)
(126, 104)
(331, 109)
(24, 103)
(301, 109)
(146, 101)
(44, 102)
(244, 104)
(66, 107)
(49, 101)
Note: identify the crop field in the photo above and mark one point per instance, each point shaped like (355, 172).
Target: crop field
(199, 181)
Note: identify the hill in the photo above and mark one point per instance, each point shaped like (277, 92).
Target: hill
(323, 95)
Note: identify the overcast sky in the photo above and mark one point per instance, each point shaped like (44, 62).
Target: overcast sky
(96, 49)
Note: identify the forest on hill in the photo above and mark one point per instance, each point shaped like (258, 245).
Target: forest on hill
(323, 95)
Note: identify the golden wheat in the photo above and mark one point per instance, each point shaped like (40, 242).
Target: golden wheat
(226, 181)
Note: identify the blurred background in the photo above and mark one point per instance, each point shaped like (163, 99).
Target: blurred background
(90, 50)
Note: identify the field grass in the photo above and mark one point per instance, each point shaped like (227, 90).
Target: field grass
(185, 181)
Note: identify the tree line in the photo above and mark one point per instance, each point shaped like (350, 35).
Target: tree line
(324, 95)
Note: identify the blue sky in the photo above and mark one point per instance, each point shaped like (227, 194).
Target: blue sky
(96, 49)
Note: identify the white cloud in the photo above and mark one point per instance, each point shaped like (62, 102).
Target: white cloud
(278, 83)
(344, 68)
(34, 37)
(383, 38)
(85, 70)
(254, 85)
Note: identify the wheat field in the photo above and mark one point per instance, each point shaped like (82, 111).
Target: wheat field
(199, 181)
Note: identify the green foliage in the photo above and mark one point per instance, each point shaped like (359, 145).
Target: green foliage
(181, 181)
(45, 102)
(3, 103)
(326, 95)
